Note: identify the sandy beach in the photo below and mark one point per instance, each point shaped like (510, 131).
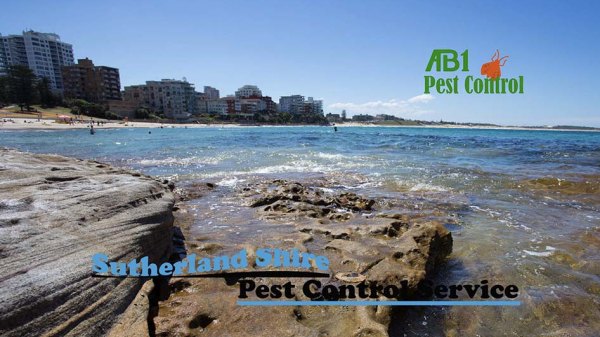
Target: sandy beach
(53, 124)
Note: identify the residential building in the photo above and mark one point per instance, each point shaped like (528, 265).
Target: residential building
(313, 106)
(211, 93)
(96, 84)
(296, 104)
(384, 117)
(217, 106)
(270, 106)
(201, 102)
(335, 118)
(44, 53)
(248, 91)
(173, 98)
(252, 105)
(293, 104)
(213, 106)
(362, 118)
(234, 105)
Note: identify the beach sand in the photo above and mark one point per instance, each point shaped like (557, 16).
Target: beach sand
(10, 123)
(50, 124)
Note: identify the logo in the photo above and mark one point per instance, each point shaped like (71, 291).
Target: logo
(351, 289)
(450, 61)
(492, 69)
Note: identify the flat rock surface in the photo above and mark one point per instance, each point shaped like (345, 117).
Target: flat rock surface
(364, 239)
(55, 214)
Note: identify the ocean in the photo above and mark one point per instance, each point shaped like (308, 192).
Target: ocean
(527, 202)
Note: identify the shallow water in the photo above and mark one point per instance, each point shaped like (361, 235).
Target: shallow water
(529, 201)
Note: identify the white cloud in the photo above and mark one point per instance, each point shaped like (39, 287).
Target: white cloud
(401, 108)
(423, 98)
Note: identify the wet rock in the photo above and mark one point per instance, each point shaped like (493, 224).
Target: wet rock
(134, 321)
(351, 248)
(194, 190)
(365, 240)
(350, 277)
(296, 192)
(61, 212)
(210, 247)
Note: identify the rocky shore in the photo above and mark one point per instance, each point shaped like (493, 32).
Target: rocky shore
(365, 239)
(55, 213)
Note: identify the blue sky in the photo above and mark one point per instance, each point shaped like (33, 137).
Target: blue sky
(365, 56)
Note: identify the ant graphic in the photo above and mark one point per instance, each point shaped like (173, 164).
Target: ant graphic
(492, 69)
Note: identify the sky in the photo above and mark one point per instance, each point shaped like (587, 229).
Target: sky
(361, 56)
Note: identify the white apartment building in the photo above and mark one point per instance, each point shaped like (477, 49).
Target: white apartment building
(292, 104)
(296, 104)
(44, 53)
(248, 91)
(315, 106)
(216, 106)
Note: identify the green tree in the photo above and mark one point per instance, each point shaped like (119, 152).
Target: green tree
(142, 113)
(285, 118)
(4, 90)
(21, 82)
(47, 98)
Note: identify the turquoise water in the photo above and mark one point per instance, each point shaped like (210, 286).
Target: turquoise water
(529, 200)
(274, 149)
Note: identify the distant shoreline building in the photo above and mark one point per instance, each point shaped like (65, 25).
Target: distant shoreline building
(248, 91)
(173, 98)
(292, 104)
(92, 83)
(363, 118)
(335, 118)
(296, 104)
(313, 106)
(44, 53)
(211, 93)
(210, 102)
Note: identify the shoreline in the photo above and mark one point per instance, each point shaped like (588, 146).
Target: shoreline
(30, 124)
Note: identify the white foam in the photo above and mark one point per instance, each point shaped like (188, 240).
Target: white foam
(543, 254)
(330, 155)
(230, 182)
(173, 161)
(423, 187)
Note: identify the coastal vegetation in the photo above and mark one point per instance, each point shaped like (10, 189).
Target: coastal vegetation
(32, 94)
(83, 107)
(21, 86)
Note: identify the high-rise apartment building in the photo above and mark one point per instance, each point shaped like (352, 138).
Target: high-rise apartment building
(293, 104)
(313, 106)
(44, 53)
(296, 104)
(96, 84)
(211, 93)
